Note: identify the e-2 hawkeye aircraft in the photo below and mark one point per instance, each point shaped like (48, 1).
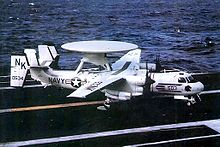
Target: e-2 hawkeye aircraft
(124, 79)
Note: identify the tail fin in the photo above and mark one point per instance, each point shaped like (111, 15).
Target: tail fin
(20, 64)
(31, 57)
(47, 54)
(19, 68)
(33, 62)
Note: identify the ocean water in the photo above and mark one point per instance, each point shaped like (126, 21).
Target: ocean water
(173, 29)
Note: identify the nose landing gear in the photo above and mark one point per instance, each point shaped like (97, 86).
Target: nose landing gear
(193, 99)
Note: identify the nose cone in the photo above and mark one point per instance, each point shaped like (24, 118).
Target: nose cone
(194, 88)
(199, 87)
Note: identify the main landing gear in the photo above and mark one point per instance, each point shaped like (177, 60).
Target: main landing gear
(193, 99)
(106, 105)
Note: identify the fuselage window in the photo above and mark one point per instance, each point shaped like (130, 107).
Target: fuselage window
(182, 80)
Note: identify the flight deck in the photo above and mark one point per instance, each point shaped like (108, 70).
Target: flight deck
(44, 116)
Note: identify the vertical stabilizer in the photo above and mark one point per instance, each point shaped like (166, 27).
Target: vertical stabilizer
(31, 57)
(19, 68)
(47, 55)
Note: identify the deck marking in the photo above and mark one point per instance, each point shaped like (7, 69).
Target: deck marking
(34, 108)
(174, 140)
(118, 132)
(210, 92)
(26, 86)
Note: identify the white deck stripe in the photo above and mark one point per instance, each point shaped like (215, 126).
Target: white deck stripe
(4, 76)
(174, 140)
(26, 86)
(210, 92)
(111, 133)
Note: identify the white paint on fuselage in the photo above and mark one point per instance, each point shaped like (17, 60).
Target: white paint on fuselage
(165, 83)
(170, 83)
(62, 78)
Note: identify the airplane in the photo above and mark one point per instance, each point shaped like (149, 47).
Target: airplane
(122, 80)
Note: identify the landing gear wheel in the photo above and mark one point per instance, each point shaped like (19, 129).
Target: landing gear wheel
(188, 103)
(105, 106)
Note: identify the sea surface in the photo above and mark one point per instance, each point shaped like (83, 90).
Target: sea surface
(175, 30)
(184, 33)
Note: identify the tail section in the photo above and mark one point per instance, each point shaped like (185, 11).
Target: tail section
(31, 57)
(20, 64)
(47, 55)
(19, 68)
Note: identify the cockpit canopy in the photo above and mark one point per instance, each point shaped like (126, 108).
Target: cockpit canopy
(186, 79)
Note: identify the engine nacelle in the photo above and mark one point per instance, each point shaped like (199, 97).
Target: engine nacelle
(118, 95)
(136, 80)
(137, 91)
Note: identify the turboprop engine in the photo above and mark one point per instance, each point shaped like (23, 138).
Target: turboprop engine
(135, 84)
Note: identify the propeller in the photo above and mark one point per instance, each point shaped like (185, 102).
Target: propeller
(158, 64)
(148, 82)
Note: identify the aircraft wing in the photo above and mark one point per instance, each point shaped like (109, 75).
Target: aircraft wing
(125, 63)
(95, 85)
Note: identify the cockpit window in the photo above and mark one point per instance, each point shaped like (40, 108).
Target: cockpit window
(182, 80)
(190, 79)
